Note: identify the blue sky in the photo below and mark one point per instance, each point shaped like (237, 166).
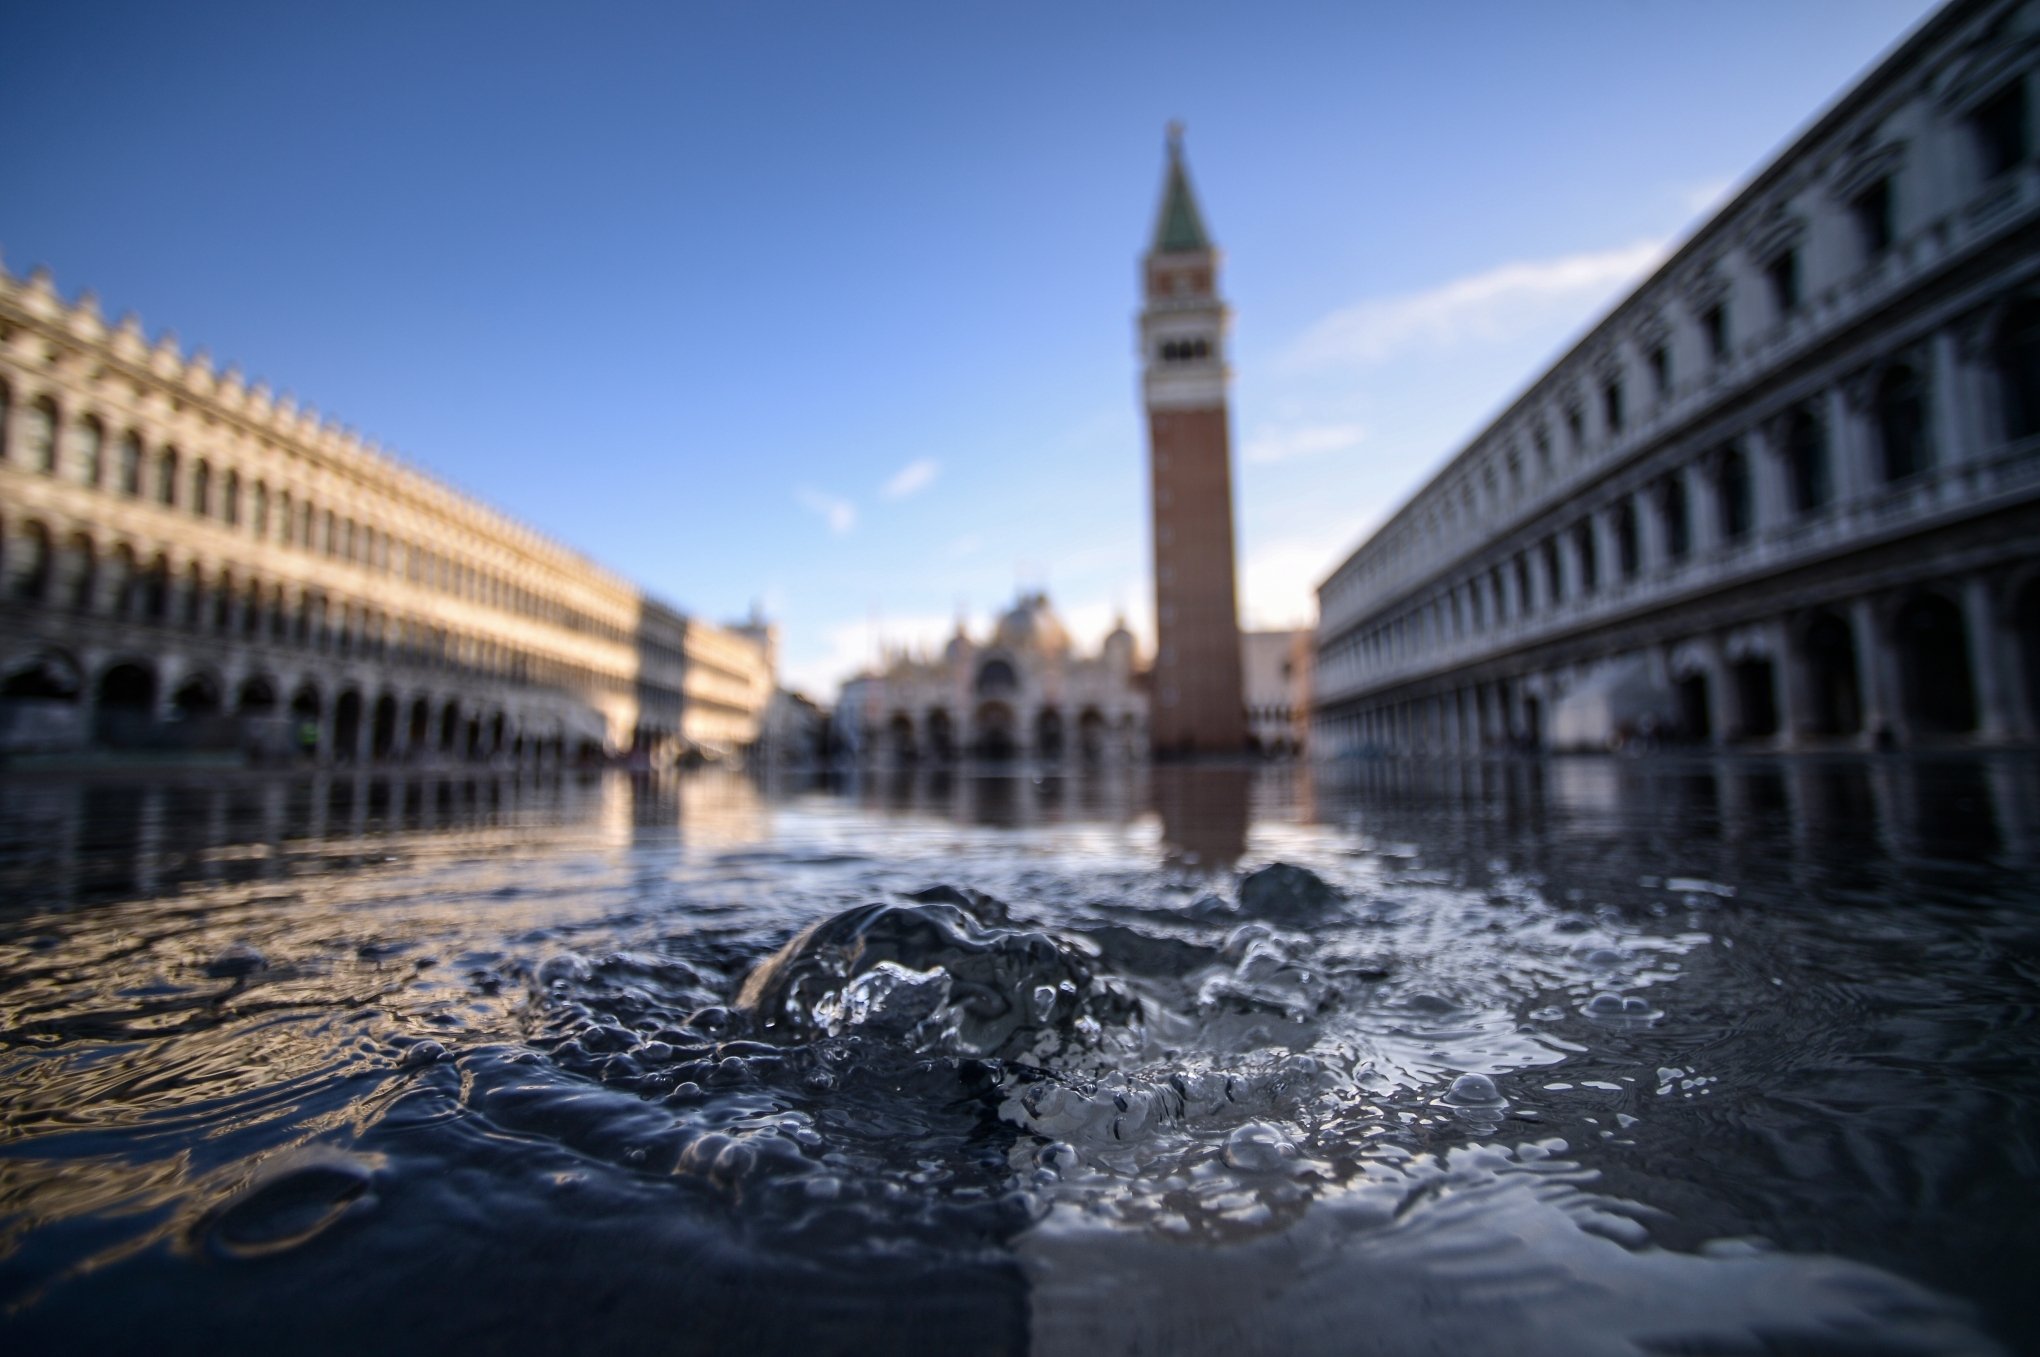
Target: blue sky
(831, 307)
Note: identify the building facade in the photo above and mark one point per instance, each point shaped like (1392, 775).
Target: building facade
(1023, 692)
(1275, 679)
(189, 562)
(1786, 494)
(1198, 704)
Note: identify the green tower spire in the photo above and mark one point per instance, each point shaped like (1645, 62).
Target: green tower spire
(1180, 228)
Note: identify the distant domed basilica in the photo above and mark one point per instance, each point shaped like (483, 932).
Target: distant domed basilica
(1022, 692)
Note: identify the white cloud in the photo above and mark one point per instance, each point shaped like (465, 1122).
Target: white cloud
(1283, 444)
(912, 478)
(848, 648)
(1487, 306)
(1090, 620)
(1279, 578)
(967, 545)
(840, 514)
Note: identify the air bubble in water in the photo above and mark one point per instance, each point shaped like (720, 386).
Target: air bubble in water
(1258, 1147)
(1475, 1090)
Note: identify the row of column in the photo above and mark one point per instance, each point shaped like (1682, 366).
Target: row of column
(1510, 711)
(1960, 395)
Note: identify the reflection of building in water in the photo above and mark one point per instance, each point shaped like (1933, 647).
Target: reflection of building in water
(1022, 692)
(1276, 667)
(1742, 822)
(1788, 491)
(1110, 799)
(74, 840)
(191, 560)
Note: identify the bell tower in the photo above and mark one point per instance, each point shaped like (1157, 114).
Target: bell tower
(1197, 706)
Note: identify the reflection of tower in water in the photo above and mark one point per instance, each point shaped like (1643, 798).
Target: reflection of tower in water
(1204, 813)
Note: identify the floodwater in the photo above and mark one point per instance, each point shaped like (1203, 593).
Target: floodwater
(1566, 1057)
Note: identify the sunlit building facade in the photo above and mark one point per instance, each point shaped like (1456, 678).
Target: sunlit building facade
(188, 561)
(1024, 691)
(1786, 494)
(1275, 679)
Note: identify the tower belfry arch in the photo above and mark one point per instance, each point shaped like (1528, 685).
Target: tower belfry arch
(1197, 705)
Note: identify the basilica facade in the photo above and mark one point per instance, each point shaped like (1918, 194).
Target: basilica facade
(189, 562)
(1785, 495)
(1023, 691)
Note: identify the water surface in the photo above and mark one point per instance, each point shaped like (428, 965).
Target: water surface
(1524, 1057)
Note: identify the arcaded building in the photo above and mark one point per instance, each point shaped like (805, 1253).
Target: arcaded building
(188, 561)
(1024, 691)
(1786, 494)
(1198, 706)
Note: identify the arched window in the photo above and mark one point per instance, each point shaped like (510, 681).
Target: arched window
(91, 443)
(222, 603)
(1902, 423)
(156, 590)
(201, 488)
(996, 676)
(286, 524)
(1627, 557)
(1674, 516)
(79, 573)
(2017, 358)
(31, 570)
(1590, 559)
(258, 511)
(120, 581)
(230, 499)
(1806, 462)
(1554, 577)
(1737, 506)
(194, 596)
(131, 464)
(166, 478)
(40, 442)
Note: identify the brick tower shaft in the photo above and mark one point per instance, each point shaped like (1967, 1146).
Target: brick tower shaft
(1197, 706)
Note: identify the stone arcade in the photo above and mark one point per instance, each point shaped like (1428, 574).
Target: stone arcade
(1786, 494)
(1022, 692)
(189, 562)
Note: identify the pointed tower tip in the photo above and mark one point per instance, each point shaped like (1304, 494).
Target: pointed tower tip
(1180, 227)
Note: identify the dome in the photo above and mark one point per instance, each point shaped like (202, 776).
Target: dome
(1032, 624)
(1118, 646)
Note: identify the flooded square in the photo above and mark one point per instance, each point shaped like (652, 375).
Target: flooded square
(1513, 1056)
